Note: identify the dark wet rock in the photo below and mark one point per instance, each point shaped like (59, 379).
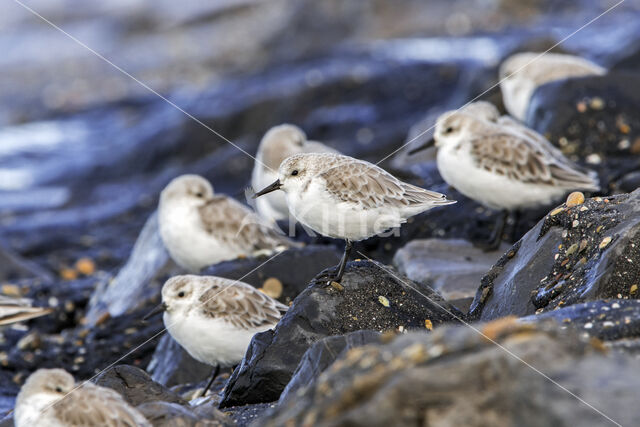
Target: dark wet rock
(82, 351)
(608, 320)
(453, 267)
(373, 297)
(294, 268)
(593, 120)
(321, 355)
(578, 254)
(172, 365)
(455, 376)
(248, 415)
(167, 414)
(136, 386)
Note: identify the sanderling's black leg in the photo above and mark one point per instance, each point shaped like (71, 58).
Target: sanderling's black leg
(496, 237)
(343, 262)
(214, 375)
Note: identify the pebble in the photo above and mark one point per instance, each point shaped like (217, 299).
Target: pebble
(383, 300)
(85, 266)
(604, 242)
(574, 199)
(272, 287)
(428, 324)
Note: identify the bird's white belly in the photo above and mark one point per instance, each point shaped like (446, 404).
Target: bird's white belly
(318, 210)
(189, 245)
(492, 190)
(210, 341)
(272, 206)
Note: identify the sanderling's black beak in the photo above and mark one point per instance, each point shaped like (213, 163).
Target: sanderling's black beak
(268, 189)
(159, 309)
(430, 143)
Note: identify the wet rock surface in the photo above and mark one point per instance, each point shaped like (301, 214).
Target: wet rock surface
(167, 414)
(609, 320)
(136, 386)
(321, 355)
(293, 269)
(593, 120)
(453, 267)
(85, 151)
(371, 297)
(575, 254)
(455, 376)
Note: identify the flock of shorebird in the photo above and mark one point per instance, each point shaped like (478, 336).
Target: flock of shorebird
(493, 159)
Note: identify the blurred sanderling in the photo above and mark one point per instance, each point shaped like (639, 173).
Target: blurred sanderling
(277, 144)
(522, 73)
(214, 318)
(200, 228)
(346, 198)
(14, 310)
(501, 163)
(48, 398)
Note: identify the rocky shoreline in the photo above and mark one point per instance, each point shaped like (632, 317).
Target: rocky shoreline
(425, 329)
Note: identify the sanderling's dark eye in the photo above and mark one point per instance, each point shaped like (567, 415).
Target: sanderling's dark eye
(295, 172)
(181, 294)
(58, 389)
(448, 130)
(199, 195)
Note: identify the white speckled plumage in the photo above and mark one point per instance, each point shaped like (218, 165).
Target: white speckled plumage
(214, 318)
(276, 145)
(48, 399)
(502, 163)
(199, 228)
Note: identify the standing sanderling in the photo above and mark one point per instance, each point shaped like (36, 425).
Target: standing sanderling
(277, 144)
(199, 228)
(346, 198)
(48, 398)
(522, 73)
(502, 164)
(214, 318)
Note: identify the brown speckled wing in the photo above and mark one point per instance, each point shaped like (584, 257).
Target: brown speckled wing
(372, 187)
(241, 305)
(525, 156)
(229, 221)
(91, 405)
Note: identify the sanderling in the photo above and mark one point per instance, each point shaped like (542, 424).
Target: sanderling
(14, 310)
(522, 73)
(214, 318)
(501, 163)
(48, 398)
(199, 228)
(277, 144)
(346, 198)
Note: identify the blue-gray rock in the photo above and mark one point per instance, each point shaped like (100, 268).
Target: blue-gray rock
(321, 355)
(373, 297)
(574, 255)
(456, 376)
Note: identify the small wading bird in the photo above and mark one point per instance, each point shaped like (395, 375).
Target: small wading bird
(522, 73)
(500, 163)
(277, 144)
(214, 318)
(50, 398)
(200, 228)
(346, 198)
